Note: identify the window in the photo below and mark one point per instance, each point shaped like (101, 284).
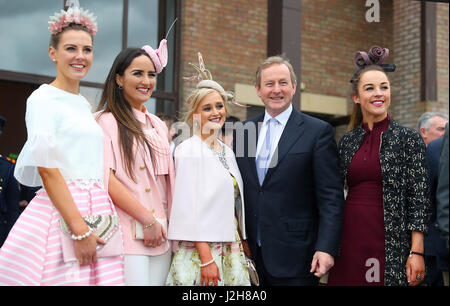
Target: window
(25, 37)
(122, 23)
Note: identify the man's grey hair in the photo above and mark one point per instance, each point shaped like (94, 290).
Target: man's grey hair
(425, 119)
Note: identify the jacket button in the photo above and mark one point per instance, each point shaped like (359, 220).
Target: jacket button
(147, 189)
(142, 167)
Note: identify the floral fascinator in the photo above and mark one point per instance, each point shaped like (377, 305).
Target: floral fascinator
(74, 14)
(375, 56)
(205, 80)
(159, 56)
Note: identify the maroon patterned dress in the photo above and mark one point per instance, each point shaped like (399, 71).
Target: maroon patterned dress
(362, 258)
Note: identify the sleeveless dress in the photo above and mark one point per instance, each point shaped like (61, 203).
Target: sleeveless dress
(229, 256)
(362, 258)
(61, 134)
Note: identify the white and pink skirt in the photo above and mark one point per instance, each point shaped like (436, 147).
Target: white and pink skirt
(32, 253)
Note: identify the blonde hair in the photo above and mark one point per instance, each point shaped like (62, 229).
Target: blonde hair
(194, 99)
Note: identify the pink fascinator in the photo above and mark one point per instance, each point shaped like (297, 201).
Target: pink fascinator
(159, 56)
(74, 14)
(204, 79)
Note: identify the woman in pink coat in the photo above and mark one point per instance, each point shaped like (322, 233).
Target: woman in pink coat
(137, 153)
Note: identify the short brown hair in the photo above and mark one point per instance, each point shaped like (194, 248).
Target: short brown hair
(278, 59)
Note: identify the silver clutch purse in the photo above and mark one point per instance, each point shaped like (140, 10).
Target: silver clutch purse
(250, 264)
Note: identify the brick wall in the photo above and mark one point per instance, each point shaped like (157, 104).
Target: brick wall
(232, 39)
(332, 31)
(442, 22)
(406, 106)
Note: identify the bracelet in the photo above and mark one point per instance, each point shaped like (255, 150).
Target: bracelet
(208, 263)
(150, 225)
(81, 237)
(411, 253)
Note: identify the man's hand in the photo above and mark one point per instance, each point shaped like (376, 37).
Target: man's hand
(321, 263)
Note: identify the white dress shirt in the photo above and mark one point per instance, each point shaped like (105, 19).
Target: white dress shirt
(276, 130)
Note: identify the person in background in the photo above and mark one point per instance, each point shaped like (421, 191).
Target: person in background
(436, 253)
(9, 193)
(138, 157)
(442, 198)
(431, 126)
(63, 153)
(384, 166)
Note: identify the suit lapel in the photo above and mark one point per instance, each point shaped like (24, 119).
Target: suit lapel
(252, 155)
(291, 133)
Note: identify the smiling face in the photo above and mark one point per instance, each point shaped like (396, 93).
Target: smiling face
(138, 81)
(374, 95)
(210, 113)
(276, 89)
(73, 55)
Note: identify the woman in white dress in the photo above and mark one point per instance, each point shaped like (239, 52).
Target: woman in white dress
(64, 153)
(208, 199)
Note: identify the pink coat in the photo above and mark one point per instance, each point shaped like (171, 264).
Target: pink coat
(152, 190)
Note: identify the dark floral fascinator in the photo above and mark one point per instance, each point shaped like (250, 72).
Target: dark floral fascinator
(375, 56)
(205, 80)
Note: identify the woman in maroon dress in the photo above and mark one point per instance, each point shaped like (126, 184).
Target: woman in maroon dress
(387, 206)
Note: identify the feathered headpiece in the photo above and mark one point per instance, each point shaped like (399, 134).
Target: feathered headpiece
(74, 14)
(375, 56)
(159, 56)
(204, 79)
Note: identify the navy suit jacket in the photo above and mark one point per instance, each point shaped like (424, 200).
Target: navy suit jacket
(9, 198)
(434, 245)
(299, 207)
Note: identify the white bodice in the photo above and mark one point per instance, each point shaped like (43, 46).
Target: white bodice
(62, 134)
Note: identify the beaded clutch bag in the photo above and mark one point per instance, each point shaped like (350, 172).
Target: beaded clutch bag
(104, 226)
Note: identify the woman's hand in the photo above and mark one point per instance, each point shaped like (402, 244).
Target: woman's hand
(154, 235)
(415, 265)
(86, 249)
(415, 269)
(210, 275)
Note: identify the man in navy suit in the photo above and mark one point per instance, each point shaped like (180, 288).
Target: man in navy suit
(293, 190)
(436, 252)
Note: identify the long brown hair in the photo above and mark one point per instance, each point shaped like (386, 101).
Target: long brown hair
(356, 116)
(113, 101)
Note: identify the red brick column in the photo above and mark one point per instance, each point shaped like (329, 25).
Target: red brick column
(232, 37)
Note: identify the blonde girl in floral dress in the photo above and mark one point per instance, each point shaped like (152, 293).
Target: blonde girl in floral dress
(208, 203)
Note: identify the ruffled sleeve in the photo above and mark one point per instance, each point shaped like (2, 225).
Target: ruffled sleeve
(41, 148)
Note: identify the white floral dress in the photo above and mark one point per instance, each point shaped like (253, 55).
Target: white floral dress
(229, 257)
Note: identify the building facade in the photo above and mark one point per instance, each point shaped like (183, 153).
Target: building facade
(320, 38)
